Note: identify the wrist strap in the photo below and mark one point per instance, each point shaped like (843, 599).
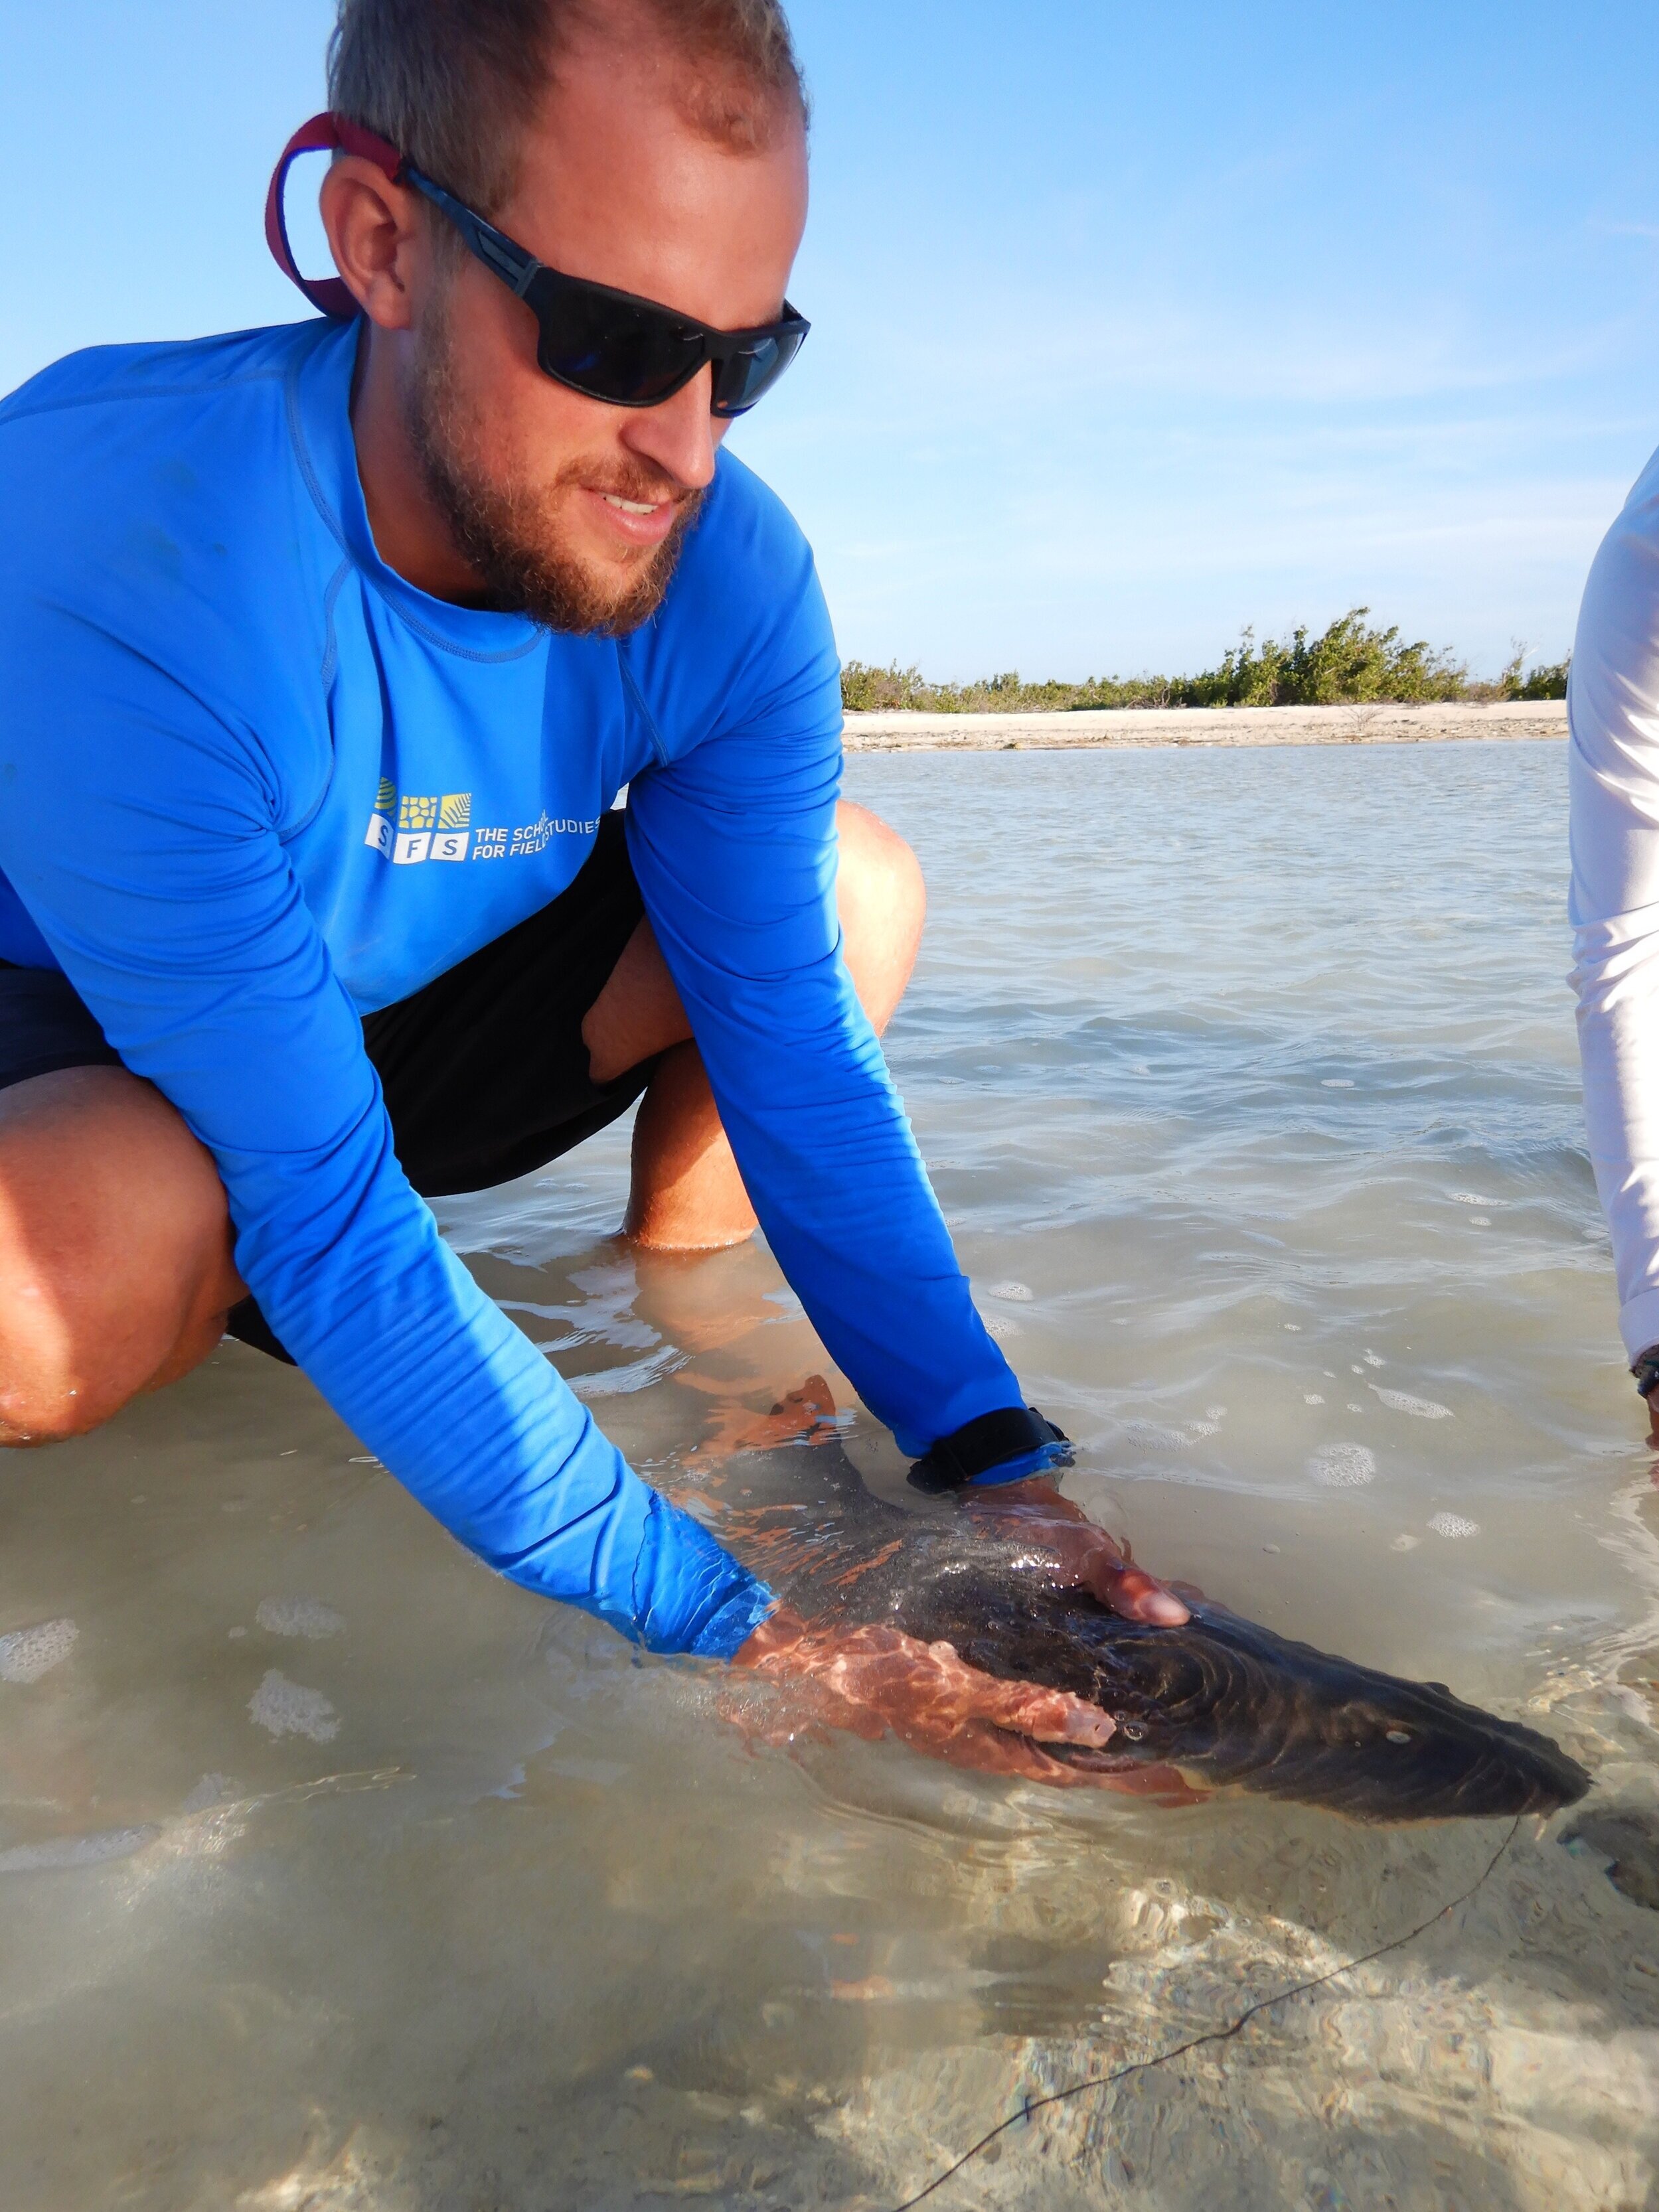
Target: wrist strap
(981, 1444)
(1645, 1368)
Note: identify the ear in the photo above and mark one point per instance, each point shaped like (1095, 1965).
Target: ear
(378, 236)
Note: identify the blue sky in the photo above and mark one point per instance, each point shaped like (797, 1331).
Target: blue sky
(1131, 325)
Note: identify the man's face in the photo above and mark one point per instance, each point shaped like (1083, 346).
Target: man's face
(567, 509)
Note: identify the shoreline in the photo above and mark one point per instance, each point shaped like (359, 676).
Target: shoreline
(1384, 724)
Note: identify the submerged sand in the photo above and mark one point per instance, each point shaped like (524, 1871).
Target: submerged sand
(336, 1872)
(1381, 725)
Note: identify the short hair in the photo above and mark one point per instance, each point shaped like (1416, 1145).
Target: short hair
(454, 84)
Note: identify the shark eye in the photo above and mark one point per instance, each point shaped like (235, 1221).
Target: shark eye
(1400, 1735)
(1132, 1729)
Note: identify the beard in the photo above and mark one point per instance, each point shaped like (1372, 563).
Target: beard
(511, 534)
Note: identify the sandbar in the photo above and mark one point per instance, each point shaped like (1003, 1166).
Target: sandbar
(1380, 724)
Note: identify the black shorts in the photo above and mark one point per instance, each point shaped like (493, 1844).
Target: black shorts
(485, 1072)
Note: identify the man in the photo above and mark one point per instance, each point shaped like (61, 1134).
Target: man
(1613, 709)
(324, 651)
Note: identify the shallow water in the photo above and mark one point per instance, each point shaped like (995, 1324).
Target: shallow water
(335, 1874)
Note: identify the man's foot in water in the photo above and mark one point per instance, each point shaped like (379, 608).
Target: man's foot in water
(806, 1414)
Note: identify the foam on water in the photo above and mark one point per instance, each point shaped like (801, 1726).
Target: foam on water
(1401, 1401)
(283, 1708)
(1343, 1467)
(307, 1617)
(27, 1654)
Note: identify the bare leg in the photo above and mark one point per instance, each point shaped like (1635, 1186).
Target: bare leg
(116, 1269)
(687, 1194)
(115, 1244)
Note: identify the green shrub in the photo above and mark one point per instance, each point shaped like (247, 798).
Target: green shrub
(1549, 682)
(1348, 664)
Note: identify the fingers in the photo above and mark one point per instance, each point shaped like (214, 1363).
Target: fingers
(873, 1680)
(1088, 1724)
(928, 1689)
(1129, 1590)
(1134, 1594)
(1046, 1716)
(1164, 1786)
(984, 1749)
(1084, 1556)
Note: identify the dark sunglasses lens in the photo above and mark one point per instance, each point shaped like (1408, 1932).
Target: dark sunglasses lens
(629, 356)
(742, 379)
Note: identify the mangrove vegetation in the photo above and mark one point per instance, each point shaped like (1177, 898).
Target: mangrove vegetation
(1349, 663)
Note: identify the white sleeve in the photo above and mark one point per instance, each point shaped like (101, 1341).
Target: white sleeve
(1613, 712)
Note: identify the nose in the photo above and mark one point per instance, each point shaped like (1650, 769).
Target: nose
(681, 437)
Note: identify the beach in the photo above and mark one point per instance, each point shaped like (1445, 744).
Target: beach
(1380, 724)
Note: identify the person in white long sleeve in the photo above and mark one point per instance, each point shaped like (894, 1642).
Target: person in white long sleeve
(1612, 711)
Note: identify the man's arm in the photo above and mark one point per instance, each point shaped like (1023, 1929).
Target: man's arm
(138, 826)
(733, 845)
(1613, 713)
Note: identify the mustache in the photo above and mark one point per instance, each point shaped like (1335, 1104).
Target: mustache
(649, 487)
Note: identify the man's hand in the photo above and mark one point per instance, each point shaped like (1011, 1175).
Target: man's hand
(874, 1680)
(1085, 1557)
(1033, 1511)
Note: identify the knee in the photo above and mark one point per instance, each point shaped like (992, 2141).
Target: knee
(68, 1361)
(31, 1418)
(114, 1250)
(878, 872)
(881, 897)
(42, 1397)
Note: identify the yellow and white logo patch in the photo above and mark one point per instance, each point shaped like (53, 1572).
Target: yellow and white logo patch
(416, 827)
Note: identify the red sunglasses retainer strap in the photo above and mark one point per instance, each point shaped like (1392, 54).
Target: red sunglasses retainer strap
(322, 134)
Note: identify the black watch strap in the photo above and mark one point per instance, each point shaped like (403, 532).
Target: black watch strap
(1645, 1368)
(978, 1446)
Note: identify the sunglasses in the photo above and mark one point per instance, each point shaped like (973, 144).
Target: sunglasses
(607, 345)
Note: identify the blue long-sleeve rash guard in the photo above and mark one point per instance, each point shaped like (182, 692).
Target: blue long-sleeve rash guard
(253, 785)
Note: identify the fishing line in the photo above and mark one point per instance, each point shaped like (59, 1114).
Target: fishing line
(1033, 2105)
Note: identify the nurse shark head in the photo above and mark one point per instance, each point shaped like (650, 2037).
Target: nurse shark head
(657, 147)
